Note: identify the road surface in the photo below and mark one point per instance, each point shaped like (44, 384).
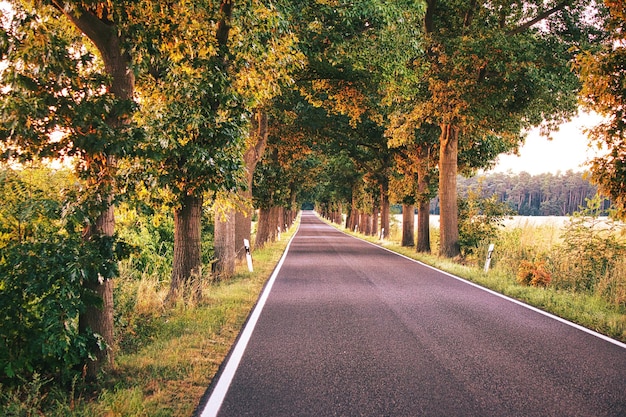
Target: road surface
(349, 329)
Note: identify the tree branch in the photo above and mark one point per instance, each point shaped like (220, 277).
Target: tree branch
(223, 27)
(96, 29)
(428, 17)
(469, 15)
(539, 18)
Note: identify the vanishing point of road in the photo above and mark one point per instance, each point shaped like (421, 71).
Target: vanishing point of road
(345, 328)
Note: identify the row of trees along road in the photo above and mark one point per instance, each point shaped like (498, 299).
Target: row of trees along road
(266, 104)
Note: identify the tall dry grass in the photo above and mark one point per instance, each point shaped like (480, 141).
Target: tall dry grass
(584, 254)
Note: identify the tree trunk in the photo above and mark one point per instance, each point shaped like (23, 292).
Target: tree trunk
(423, 202)
(338, 218)
(291, 213)
(186, 270)
(375, 216)
(263, 231)
(277, 221)
(364, 224)
(105, 37)
(408, 225)
(354, 223)
(243, 229)
(223, 267)
(353, 218)
(423, 227)
(449, 219)
(253, 154)
(98, 319)
(384, 209)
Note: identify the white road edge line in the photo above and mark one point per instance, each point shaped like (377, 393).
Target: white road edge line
(513, 300)
(218, 394)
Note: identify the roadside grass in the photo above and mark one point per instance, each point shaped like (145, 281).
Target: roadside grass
(166, 356)
(169, 375)
(586, 308)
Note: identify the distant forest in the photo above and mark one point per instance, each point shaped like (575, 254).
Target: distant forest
(560, 194)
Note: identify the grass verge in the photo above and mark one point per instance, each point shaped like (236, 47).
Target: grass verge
(171, 373)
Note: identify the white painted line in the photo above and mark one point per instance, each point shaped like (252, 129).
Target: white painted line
(513, 300)
(535, 309)
(218, 394)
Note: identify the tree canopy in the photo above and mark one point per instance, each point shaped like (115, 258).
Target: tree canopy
(603, 73)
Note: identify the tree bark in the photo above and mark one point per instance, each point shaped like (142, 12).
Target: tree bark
(263, 231)
(375, 216)
(408, 225)
(276, 217)
(99, 319)
(353, 218)
(224, 243)
(384, 209)
(105, 37)
(338, 212)
(253, 154)
(423, 202)
(364, 223)
(186, 270)
(423, 227)
(449, 219)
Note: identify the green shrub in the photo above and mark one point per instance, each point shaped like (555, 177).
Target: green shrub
(479, 221)
(41, 297)
(39, 305)
(43, 265)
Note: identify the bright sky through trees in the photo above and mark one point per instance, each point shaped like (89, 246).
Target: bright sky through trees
(568, 149)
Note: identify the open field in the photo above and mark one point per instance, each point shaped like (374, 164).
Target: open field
(513, 221)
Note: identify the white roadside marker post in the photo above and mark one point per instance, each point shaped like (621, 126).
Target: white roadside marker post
(278, 233)
(488, 260)
(246, 244)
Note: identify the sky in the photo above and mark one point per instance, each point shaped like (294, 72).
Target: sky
(568, 149)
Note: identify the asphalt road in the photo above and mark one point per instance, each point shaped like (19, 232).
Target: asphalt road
(349, 329)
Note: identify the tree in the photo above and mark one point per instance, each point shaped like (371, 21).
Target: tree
(349, 47)
(288, 166)
(271, 60)
(255, 149)
(604, 75)
(489, 71)
(197, 103)
(560, 194)
(55, 85)
(419, 166)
